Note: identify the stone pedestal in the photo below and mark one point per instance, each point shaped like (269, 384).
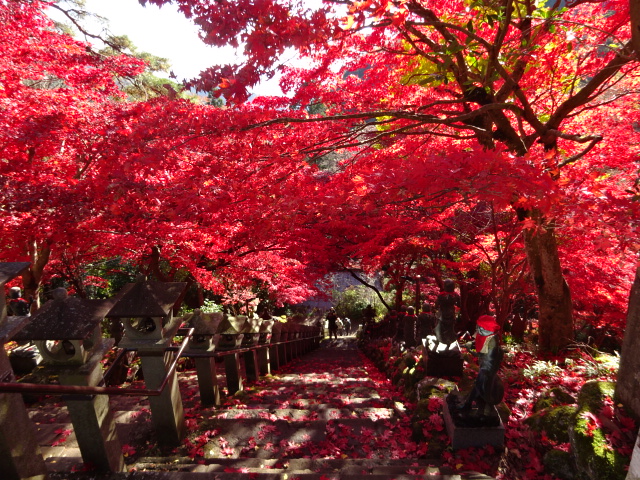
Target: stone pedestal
(441, 361)
(205, 341)
(264, 360)
(167, 414)
(274, 357)
(208, 381)
(251, 365)
(92, 419)
(232, 371)
(463, 434)
(20, 455)
(284, 348)
(274, 349)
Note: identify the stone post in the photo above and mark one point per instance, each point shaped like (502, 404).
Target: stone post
(20, 455)
(205, 340)
(92, 419)
(167, 414)
(232, 370)
(264, 363)
(251, 365)
(208, 381)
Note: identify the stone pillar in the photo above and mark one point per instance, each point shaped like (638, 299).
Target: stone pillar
(232, 370)
(208, 381)
(92, 419)
(274, 357)
(264, 360)
(167, 413)
(251, 365)
(20, 456)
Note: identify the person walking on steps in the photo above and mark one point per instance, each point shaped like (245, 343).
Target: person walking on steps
(332, 318)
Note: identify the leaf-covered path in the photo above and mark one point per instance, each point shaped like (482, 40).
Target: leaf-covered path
(329, 414)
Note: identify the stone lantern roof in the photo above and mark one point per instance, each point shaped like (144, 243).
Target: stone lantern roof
(10, 270)
(65, 318)
(147, 299)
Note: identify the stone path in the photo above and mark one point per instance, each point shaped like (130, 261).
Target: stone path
(330, 414)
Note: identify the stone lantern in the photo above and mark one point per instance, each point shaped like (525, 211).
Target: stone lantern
(66, 329)
(205, 340)
(20, 455)
(231, 336)
(67, 332)
(264, 360)
(146, 311)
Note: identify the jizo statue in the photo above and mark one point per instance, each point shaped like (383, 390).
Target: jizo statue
(488, 390)
(446, 304)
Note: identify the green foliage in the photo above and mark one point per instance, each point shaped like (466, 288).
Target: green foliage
(351, 302)
(209, 306)
(148, 84)
(542, 368)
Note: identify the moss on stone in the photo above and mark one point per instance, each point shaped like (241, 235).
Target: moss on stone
(430, 386)
(591, 396)
(543, 403)
(594, 456)
(554, 421)
(562, 397)
(553, 398)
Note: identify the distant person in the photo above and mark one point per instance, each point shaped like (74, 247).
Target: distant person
(346, 323)
(332, 320)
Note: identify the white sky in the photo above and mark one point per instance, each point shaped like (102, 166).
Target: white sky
(165, 32)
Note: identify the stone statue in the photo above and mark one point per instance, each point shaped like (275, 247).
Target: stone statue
(488, 390)
(446, 304)
(426, 321)
(409, 328)
(17, 305)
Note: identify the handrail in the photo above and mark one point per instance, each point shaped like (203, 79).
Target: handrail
(14, 387)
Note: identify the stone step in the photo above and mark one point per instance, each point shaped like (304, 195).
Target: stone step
(265, 476)
(298, 465)
(320, 402)
(299, 415)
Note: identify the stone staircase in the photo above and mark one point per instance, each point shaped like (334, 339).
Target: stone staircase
(329, 415)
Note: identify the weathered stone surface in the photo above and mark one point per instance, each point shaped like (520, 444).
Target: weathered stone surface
(555, 422)
(20, 454)
(465, 437)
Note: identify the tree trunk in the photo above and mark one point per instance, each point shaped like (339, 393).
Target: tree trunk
(634, 6)
(31, 279)
(555, 310)
(628, 384)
